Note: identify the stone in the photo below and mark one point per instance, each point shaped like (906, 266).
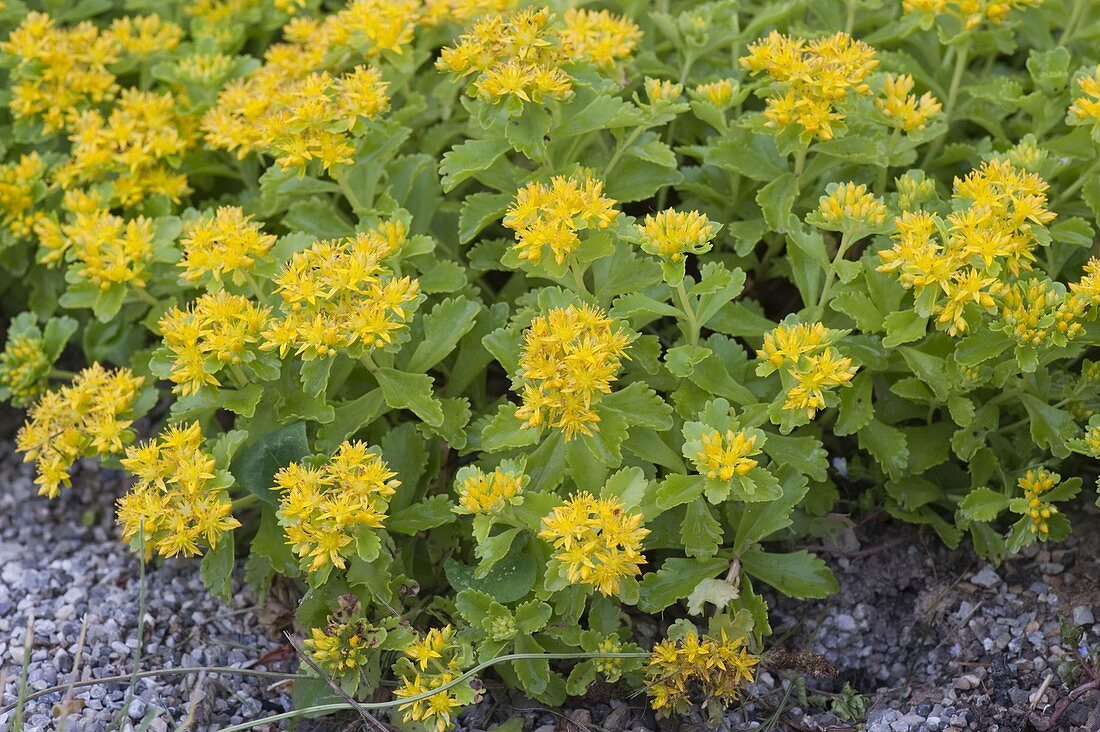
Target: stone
(845, 622)
(1082, 615)
(987, 578)
(967, 682)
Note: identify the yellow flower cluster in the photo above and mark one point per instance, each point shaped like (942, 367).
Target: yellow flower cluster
(724, 456)
(225, 243)
(180, 500)
(338, 296)
(971, 12)
(1089, 442)
(903, 109)
(105, 249)
(299, 120)
(443, 651)
(598, 37)
(671, 234)
(521, 55)
(216, 331)
(914, 190)
(339, 648)
(719, 667)
(24, 367)
(323, 509)
(804, 354)
(850, 207)
(59, 71)
(811, 80)
(136, 147)
(1085, 109)
(991, 235)
(91, 416)
(552, 215)
(1034, 484)
(596, 540)
(569, 358)
(1034, 312)
(142, 36)
(662, 91)
(481, 493)
(719, 93)
(22, 183)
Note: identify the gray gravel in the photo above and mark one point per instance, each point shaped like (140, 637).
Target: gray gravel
(61, 561)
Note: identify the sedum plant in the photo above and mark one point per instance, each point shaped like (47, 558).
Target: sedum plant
(498, 330)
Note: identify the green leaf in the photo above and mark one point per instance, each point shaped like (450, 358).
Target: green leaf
(1050, 427)
(746, 153)
(676, 490)
(427, 514)
(532, 616)
(760, 520)
(983, 504)
(639, 406)
(470, 158)
(887, 446)
(717, 592)
(676, 580)
(216, 568)
(856, 410)
(492, 550)
(505, 431)
(978, 347)
(478, 211)
(903, 326)
(701, 532)
(510, 580)
(256, 465)
(776, 199)
(444, 326)
(798, 574)
(414, 392)
(805, 454)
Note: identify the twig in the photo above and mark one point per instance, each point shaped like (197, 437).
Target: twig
(123, 678)
(1071, 697)
(21, 702)
(66, 700)
(193, 704)
(332, 684)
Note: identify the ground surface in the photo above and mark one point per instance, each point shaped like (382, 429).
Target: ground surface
(933, 639)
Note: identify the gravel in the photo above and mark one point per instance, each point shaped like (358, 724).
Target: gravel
(61, 562)
(927, 639)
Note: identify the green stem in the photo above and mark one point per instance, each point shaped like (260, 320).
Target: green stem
(1075, 16)
(431, 692)
(884, 174)
(255, 287)
(689, 314)
(578, 280)
(144, 296)
(245, 501)
(368, 361)
(235, 373)
(850, 21)
(1076, 185)
(799, 163)
(349, 193)
(952, 97)
(62, 374)
(830, 276)
(620, 149)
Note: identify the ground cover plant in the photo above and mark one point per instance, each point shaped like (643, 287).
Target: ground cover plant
(493, 328)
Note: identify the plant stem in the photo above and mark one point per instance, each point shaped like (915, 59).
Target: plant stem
(799, 163)
(952, 97)
(431, 692)
(830, 276)
(144, 296)
(367, 361)
(245, 501)
(61, 374)
(1075, 16)
(578, 280)
(1076, 185)
(689, 314)
(238, 376)
(349, 193)
(255, 287)
(850, 21)
(620, 149)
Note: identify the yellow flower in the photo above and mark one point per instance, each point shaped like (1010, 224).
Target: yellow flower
(725, 455)
(719, 667)
(914, 190)
(104, 249)
(180, 500)
(89, 417)
(671, 234)
(137, 148)
(146, 35)
(24, 367)
(598, 37)
(850, 207)
(58, 71)
(1034, 484)
(227, 242)
(439, 659)
(904, 110)
(22, 185)
(719, 93)
(568, 360)
(596, 540)
(339, 296)
(323, 509)
(971, 12)
(217, 331)
(662, 91)
(552, 215)
(804, 355)
(1085, 109)
(983, 245)
(341, 647)
(482, 493)
(812, 80)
